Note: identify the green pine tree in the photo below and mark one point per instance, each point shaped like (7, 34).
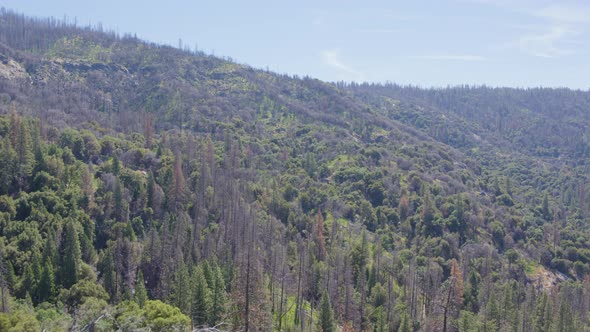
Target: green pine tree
(151, 187)
(36, 265)
(207, 273)
(109, 276)
(140, 295)
(181, 289)
(326, 315)
(46, 288)
(217, 297)
(50, 253)
(24, 151)
(200, 299)
(71, 256)
(565, 319)
(29, 282)
(545, 207)
(10, 277)
(404, 326)
(492, 309)
(116, 165)
(8, 166)
(121, 212)
(543, 313)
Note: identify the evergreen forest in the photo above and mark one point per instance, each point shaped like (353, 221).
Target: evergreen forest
(145, 187)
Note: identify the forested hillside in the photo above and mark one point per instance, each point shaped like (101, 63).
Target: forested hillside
(144, 187)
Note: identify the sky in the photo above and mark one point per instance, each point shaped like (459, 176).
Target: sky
(516, 43)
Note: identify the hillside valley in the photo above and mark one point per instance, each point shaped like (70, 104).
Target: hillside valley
(149, 188)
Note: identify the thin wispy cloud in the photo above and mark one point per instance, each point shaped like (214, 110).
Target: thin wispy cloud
(549, 44)
(560, 24)
(333, 59)
(451, 57)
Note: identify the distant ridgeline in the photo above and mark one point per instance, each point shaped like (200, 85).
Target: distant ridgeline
(148, 187)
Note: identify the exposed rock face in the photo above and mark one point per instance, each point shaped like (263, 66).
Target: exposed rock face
(11, 69)
(546, 280)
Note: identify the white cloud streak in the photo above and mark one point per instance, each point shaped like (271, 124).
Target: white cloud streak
(333, 59)
(549, 44)
(555, 35)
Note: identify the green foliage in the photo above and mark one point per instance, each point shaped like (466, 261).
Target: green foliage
(46, 289)
(162, 317)
(77, 47)
(218, 297)
(21, 320)
(81, 292)
(21, 317)
(141, 295)
(199, 181)
(53, 318)
(71, 256)
(406, 324)
(326, 320)
(181, 289)
(201, 299)
(469, 322)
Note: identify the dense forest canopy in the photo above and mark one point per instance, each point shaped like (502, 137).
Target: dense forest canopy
(144, 187)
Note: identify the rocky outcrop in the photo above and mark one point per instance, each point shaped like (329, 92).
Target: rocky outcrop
(11, 69)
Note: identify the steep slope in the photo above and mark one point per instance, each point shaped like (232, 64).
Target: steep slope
(133, 172)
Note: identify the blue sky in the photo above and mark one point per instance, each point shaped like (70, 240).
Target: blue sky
(519, 43)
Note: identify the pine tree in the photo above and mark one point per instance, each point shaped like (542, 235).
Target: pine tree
(181, 289)
(545, 208)
(217, 297)
(565, 318)
(492, 312)
(50, 254)
(46, 288)
(116, 165)
(140, 295)
(360, 256)
(472, 293)
(109, 275)
(326, 315)
(121, 208)
(9, 276)
(404, 326)
(71, 256)
(543, 313)
(508, 186)
(24, 151)
(151, 187)
(429, 226)
(4, 291)
(8, 166)
(36, 265)
(200, 299)
(207, 273)
(29, 282)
